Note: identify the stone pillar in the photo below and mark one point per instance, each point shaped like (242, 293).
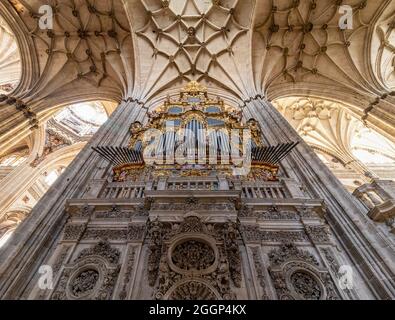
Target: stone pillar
(35, 239)
(369, 249)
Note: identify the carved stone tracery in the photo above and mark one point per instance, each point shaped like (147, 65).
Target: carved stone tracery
(197, 251)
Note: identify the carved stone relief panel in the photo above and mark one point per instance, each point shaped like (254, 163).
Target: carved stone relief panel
(194, 260)
(134, 232)
(92, 275)
(193, 255)
(74, 232)
(193, 290)
(253, 233)
(319, 234)
(297, 274)
(260, 271)
(128, 273)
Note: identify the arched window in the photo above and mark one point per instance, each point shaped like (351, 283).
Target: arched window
(83, 119)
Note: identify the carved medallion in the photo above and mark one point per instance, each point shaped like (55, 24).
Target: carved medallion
(193, 255)
(84, 283)
(306, 286)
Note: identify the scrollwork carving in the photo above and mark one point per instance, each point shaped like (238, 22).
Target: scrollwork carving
(136, 232)
(318, 234)
(260, 271)
(297, 274)
(128, 273)
(254, 234)
(193, 290)
(233, 252)
(84, 283)
(191, 225)
(192, 249)
(92, 275)
(306, 286)
(102, 249)
(288, 252)
(110, 234)
(155, 248)
(74, 232)
(193, 255)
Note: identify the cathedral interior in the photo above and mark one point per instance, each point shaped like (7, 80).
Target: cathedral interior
(281, 122)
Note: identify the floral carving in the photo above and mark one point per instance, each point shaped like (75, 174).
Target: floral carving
(193, 290)
(155, 248)
(260, 271)
(280, 284)
(128, 273)
(84, 283)
(96, 282)
(307, 213)
(331, 292)
(54, 142)
(233, 253)
(199, 206)
(103, 249)
(288, 252)
(306, 286)
(191, 225)
(193, 255)
(74, 232)
(83, 212)
(254, 234)
(107, 288)
(109, 234)
(318, 234)
(135, 232)
(296, 274)
(278, 215)
(283, 236)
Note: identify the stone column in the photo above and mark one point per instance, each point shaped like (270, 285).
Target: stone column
(371, 252)
(37, 236)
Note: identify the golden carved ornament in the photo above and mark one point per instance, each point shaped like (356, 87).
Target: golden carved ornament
(194, 88)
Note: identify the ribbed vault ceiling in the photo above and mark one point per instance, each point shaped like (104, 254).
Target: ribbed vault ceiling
(300, 41)
(10, 61)
(140, 48)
